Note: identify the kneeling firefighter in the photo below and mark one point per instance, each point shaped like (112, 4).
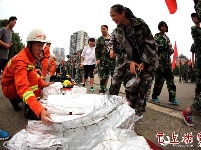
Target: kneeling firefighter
(20, 81)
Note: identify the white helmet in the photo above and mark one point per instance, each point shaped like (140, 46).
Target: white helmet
(48, 42)
(52, 55)
(37, 35)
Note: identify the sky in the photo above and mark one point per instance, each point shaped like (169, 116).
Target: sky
(61, 18)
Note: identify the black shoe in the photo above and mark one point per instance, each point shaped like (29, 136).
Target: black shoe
(15, 104)
(17, 108)
(101, 92)
(29, 114)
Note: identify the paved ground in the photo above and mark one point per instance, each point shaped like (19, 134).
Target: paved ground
(156, 118)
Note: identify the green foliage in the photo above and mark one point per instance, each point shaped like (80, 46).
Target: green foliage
(17, 44)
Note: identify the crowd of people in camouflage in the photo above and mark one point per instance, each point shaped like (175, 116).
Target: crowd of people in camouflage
(134, 57)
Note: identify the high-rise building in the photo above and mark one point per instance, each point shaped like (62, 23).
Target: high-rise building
(59, 53)
(77, 41)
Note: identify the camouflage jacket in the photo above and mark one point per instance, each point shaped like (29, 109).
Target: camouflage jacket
(142, 41)
(101, 49)
(164, 48)
(192, 48)
(198, 8)
(196, 35)
(78, 60)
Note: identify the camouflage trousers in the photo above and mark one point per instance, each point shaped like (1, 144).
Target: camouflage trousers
(164, 73)
(138, 92)
(196, 106)
(112, 66)
(104, 73)
(79, 75)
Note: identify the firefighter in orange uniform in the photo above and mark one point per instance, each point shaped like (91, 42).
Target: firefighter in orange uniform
(20, 80)
(52, 65)
(44, 61)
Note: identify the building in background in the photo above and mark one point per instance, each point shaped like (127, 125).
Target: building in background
(77, 41)
(59, 53)
(181, 58)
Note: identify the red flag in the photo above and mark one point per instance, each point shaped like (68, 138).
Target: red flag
(174, 56)
(172, 6)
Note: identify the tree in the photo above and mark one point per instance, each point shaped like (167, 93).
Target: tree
(17, 44)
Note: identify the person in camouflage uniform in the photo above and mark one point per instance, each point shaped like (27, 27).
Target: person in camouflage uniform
(60, 68)
(187, 71)
(79, 72)
(134, 46)
(103, 58)
(181, 72)
(68, 65)
(164, 70)
(196, 35)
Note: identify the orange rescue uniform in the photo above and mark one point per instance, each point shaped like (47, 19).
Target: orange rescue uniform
(52, 66)
(20, 79)
(44, 61)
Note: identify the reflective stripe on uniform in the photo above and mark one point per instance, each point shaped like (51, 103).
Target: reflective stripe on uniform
(30, 67)
(35, 87)
(27, 94)
(9, 63)
(39, 76)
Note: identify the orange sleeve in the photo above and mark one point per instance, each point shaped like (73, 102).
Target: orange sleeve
(23, 87)
(41, 82)
(47, 52)
(51, 62)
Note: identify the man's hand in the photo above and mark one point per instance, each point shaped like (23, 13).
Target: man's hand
(133, 66)
(44, 115)
(7, 46)
(38, 71)
(142, 66)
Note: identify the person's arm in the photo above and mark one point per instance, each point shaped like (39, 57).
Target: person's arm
(82, 56)
(6, 45)
(23, 88)
(193, 54)
(195, 35)
(41, 82)
(82, 60)
(112, 45)
(192, 50)
(3, 44)
(98, 49)
(149, 50)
